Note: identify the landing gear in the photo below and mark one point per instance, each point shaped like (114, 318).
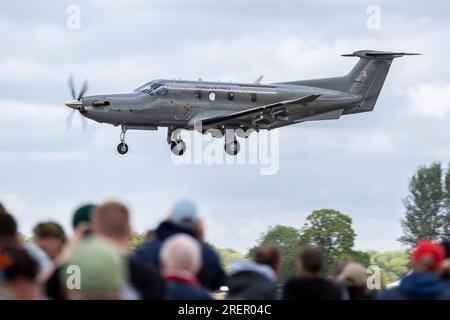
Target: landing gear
(232, 147)
(177, 146)
(122, 148)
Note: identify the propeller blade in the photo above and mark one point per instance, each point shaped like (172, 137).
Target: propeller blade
(83, 90)
(72, 87)
(84, 123)
(69, 120)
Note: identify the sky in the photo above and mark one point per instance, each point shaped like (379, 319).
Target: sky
(359, 165)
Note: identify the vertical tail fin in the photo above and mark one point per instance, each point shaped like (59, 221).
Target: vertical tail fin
(367, 76)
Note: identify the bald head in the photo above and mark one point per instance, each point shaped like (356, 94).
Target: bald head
(181, 253)
(111, 220)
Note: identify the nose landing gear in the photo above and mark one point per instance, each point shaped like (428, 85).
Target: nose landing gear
(177, 146)
(122, 148)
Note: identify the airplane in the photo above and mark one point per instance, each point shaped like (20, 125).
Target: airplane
(216, 107)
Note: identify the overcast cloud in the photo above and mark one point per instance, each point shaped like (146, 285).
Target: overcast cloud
(359, 164)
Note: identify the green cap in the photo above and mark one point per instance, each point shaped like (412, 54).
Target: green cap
(100, 265)
(82, 214)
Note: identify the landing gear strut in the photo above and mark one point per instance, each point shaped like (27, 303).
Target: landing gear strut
(177, 146)
(122, 148)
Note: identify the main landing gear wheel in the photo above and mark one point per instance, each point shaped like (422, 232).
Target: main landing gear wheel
(178, 147)
(232, 148)
(122, 148)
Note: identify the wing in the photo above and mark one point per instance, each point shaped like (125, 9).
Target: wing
(257, 111)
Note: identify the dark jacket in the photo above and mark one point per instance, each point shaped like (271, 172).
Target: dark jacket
(251, 281)
(303, 288)
(185, 289)
(418, 286)
(147, 282)
(211, 276)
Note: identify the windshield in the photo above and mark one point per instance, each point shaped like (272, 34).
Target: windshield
(153, 88)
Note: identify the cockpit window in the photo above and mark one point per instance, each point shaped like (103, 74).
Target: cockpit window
(153, 88)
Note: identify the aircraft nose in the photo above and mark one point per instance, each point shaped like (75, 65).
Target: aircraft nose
(74, 104)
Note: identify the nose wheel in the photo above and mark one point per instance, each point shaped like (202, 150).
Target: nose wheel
(122, 148)
(177, 146)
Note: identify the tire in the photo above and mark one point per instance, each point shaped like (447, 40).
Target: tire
(232, 148)
(122, 148)
(178, 147)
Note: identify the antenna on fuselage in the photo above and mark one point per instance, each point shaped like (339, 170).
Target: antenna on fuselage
(258, 81)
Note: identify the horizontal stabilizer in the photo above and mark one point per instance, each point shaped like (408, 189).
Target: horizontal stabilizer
(371, 54)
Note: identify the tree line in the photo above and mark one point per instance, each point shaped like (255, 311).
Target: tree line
(427, 216)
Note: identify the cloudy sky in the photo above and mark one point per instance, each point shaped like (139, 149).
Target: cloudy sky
(359, 164)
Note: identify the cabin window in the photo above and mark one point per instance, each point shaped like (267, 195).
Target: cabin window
(212, 96)
(230, 96)
(253, 97)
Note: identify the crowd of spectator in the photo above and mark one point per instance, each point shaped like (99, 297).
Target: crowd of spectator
(176, 262)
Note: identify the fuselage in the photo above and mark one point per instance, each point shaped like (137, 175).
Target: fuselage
(163, 103)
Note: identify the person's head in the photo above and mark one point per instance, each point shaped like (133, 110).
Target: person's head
(150, 235)
(2, 208)
(310, 261)
(18, 272)
(184, 213)
(112, 220)
(8, 227)
(354, 278)
(95, 270)
(337, 267)
(181, 254)
(268, 255)
(427, 256)
(446, 245)
(82, 215)
(444, 270)
(50, 237)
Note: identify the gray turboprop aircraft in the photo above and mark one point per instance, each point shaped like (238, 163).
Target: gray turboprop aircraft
(242, 107)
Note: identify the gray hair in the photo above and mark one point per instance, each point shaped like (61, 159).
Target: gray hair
(181, 252)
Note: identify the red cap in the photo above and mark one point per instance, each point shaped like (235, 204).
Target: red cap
(427, 249)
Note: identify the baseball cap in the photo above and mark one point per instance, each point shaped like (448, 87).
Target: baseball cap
(82, 214)
(102, 267)
(184, 211)
(428, 250)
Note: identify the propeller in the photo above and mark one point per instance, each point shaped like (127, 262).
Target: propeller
(76, 103)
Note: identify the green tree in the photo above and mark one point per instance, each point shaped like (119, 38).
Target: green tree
(426, 217)
(393, 264)
(333, 232)
(287, 239)
(446, 204)
(228, 256)
(136, 240)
